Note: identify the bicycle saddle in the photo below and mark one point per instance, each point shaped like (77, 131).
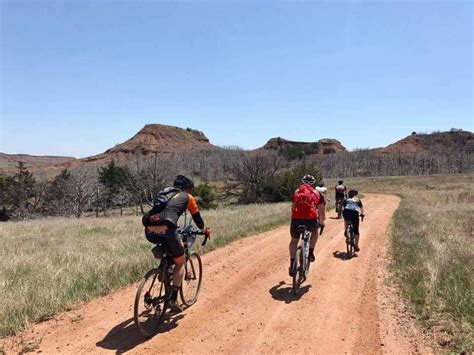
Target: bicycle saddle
(301, 228)
(159, 250)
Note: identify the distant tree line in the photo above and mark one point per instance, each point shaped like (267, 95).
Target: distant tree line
(371, 163)
(225, 175)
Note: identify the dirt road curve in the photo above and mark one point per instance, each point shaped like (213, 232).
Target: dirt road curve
(246, 304)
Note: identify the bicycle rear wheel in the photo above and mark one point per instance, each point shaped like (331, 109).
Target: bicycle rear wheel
(150, 302)
(297, 272)
(191, 285)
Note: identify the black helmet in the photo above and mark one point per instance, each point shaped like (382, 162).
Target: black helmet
(352, 193)
(309, 179)
(182, 182)
(340, 182)
(321, 184)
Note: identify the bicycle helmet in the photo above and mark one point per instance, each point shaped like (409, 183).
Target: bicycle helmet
(321, 184)
(182, 182)
(352, 193)
(340, 182)
(309, 179)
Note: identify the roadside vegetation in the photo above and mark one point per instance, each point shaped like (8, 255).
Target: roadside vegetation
(432, 251)
(48, 265)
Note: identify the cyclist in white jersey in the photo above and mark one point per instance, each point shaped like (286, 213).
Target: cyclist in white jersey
(352, 208)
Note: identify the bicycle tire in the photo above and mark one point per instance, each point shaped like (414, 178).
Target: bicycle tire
(296, 271)
(190, 269)
(154, 320)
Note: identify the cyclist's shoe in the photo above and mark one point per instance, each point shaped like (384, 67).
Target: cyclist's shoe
(290, 272)
(356, 249)
(174, 306)
(311, 258)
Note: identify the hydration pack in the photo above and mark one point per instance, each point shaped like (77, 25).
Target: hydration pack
(305, 200)
(160, 201)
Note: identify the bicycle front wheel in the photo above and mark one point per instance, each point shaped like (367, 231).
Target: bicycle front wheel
(191, 285)
(150, 303)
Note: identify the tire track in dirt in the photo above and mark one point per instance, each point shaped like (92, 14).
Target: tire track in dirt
(246, 303)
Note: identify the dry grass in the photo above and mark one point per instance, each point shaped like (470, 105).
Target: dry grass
(433, 252)
(48, 265)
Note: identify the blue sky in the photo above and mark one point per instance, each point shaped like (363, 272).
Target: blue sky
(78, 77)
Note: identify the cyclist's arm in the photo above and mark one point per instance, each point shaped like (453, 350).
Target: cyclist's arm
(194, 210)
(361, 208)
(322, 212)
(321, 208)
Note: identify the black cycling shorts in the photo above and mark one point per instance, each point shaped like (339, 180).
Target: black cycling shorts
(311, 225)
(353, 216)
(170, 238)
(340, 196)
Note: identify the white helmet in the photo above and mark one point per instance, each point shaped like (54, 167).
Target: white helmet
(309, 179)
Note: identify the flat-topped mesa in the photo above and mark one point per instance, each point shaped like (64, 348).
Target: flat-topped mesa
(443, 142)
(328, 144)
(322, 146)
(158, 138)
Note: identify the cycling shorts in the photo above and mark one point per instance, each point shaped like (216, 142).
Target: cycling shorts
(352, 216)
(311, 225)
(170, 238)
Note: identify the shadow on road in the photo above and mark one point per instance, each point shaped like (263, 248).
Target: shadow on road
(343, 256)
(125, 336)
(285, 294)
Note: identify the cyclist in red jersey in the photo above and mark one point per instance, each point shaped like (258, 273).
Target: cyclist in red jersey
(308, 205)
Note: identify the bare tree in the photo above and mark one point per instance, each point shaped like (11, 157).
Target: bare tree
(84, 183)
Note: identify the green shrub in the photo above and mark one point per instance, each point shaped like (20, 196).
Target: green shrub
(206, 195)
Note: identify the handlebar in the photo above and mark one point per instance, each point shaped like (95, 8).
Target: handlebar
(188, 230)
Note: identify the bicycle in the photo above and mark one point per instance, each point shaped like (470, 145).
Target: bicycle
(350, 238)
(300, 267)
(151, 302)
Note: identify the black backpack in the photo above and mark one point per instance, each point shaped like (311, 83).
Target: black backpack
(160, 201)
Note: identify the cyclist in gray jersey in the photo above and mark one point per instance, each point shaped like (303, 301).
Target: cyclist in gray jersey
(353, 208)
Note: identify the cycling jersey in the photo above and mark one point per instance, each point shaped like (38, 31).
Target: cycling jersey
(354, 204)
(178, 205)
(309, 209)
(340, 191)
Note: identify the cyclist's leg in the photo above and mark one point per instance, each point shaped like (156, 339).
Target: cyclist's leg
(175, 245)
(345, 214)
(312, 226)
(355, 223)
(295, 237)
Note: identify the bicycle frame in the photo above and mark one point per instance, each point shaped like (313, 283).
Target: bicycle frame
(305, 254)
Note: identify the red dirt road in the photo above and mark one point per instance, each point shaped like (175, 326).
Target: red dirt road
(246, 305)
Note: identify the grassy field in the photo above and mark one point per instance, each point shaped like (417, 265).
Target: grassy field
(48, 265)
(432, 249)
